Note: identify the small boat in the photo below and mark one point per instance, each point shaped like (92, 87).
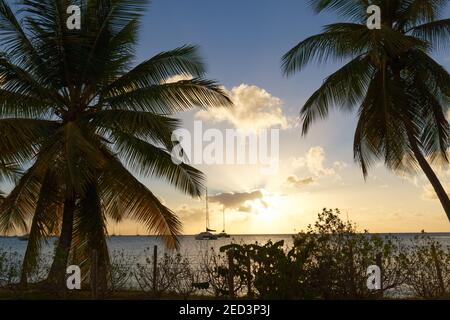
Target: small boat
(207, 235)
(223, 234)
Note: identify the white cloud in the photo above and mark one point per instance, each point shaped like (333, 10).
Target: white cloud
(314, 161)
(254, 108)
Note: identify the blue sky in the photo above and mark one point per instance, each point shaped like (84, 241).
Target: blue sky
(241, 40)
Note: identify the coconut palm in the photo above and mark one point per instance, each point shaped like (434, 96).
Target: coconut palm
(401, 93)
(81, 120)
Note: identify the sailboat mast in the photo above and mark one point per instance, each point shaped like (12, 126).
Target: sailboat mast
(223, 218)
(207, 211)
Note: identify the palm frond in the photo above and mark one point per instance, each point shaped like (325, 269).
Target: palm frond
(118, 186)
(145, 125)
(381, 132)
(354, 10)
(413, 12)
(434, 32)
(89, 234)
(170, 98)
(345, 88)
(9, 171)
(82, 158)
(20, 139)
(45, 219)
(182, 61)
(151, 161)
(109, 37)
(18, 207)
(14, 39)
(334, 44)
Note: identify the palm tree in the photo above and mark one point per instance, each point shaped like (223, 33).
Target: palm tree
(80, 119)
(400, 91)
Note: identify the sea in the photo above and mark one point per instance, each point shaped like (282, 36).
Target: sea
(141, 247)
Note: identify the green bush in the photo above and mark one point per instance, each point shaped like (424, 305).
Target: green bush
(329, 261)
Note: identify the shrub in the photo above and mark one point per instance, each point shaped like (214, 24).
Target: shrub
(428, 268)
(174, 275)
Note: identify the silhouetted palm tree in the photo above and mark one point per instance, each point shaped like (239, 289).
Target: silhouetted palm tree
(78, 116)
(401, 92)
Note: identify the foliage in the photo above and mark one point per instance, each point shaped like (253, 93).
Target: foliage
(122, 270)
(173, 275)
(214, 273)
(428, 268)
(328, 261)
(9, 267)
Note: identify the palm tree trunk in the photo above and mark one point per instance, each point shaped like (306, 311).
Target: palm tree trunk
(438, 188)
(57, 272)
(96, 235)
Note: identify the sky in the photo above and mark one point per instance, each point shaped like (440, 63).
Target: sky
(242, 43)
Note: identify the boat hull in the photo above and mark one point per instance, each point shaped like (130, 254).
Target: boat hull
(206, 236)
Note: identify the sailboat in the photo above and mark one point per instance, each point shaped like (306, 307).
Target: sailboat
(207, 235)
(223, 234)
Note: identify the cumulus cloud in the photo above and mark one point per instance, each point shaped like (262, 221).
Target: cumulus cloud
(296, 182)
(254, 108)
(238, 200)
(314, 161)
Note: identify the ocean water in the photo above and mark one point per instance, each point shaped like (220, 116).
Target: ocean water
(141, 247)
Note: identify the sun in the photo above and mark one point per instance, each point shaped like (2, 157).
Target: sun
(263, 213)
(266, 209)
